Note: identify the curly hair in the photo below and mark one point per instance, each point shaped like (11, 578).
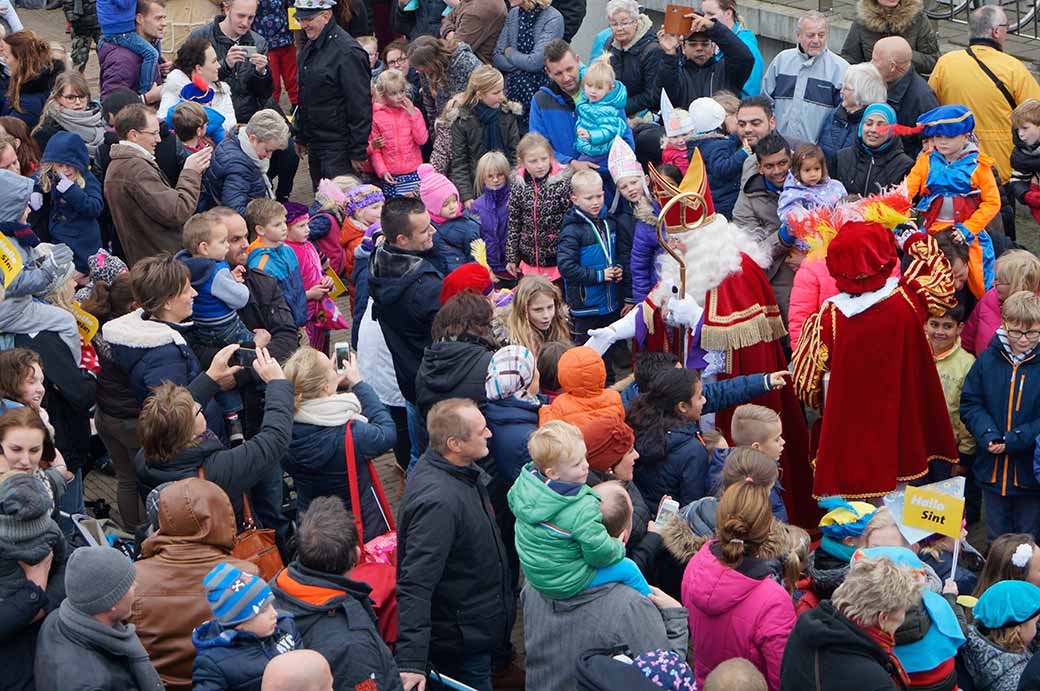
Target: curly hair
(874, 587)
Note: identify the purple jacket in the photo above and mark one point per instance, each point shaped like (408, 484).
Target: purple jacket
(644, 260)
(739, 612)
(120, 67)
(492, 208)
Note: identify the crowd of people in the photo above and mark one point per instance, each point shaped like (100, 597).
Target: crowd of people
(654, 337)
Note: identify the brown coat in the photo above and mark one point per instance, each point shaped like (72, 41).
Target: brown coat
(148, 213)
(196, 532)
(476, 23)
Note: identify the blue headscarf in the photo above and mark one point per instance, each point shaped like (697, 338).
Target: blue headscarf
(888, 113)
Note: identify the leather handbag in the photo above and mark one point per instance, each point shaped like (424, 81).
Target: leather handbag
(378, 566)
(255, 545)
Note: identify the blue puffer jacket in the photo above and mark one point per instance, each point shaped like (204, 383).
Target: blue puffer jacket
(553, 116)
(724, 160)
(602, 120)
(317, 459)
(511, 422)
(586, 247)
(281, 262)
(232, 179)
(451, 243)
(226, 658)
(683, 473)
(839, 131)
(995, 392)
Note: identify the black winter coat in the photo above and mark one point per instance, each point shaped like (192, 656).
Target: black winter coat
(335, 108)
(232, 179)
(20, 602)
(342, 628)
(684, 80)
(453, 369)
(468, 145)
(848, 657)
(82, 15)
(235, 470)
(573, 12)
(405, 288)
(910, 96)
(235, 660)
(865, 172)
(250, 91)
(70, 393)
(454, 589)
(636, 68)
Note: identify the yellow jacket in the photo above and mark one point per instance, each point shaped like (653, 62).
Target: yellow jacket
(957, 78)
(953, 366)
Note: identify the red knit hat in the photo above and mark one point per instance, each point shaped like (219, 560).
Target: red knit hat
(607, 440)
(861, 257)
(471, 276)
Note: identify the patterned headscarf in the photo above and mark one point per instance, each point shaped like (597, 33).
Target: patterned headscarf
(510, 373)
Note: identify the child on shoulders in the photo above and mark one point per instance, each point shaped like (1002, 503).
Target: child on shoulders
(117, 20)
(561, 540)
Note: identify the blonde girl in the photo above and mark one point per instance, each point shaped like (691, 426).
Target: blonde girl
(486, 122)
(400, 126)
(633, 199)
(491, 207)
(1015, 270)
(539, 197)
(538, 314)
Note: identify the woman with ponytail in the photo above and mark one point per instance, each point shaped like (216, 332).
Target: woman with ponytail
(737, 608)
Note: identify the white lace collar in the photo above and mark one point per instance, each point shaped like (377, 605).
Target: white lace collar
(851, 305)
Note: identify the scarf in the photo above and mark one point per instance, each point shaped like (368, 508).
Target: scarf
(838, 550)
(20, 233)
(120, 641)
(493, 139)
(887, 642)
(1016, 360)
(264, 165)
(330, 411)
(88, 124)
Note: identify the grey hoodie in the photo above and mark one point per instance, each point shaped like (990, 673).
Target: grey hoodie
(556, 632)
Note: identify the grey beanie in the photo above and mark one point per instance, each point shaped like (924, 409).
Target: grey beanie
(25, 508)
(96, 578)
(14, 196)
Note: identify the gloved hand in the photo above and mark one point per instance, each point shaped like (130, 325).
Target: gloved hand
(600, 340)
(685, 312)
(1032, 198)
(969, 236)
(59, 258)
(35, 201)
(64, 184)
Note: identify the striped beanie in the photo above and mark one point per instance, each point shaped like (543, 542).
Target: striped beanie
(235, 596)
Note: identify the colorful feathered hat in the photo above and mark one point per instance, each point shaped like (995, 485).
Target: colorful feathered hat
(945, 121)
(197, 90)
(844, 518)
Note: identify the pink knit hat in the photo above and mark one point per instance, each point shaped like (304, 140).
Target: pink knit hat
(434, 189)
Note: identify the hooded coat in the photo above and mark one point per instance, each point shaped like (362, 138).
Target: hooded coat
(736, 612)
(316, 459)
(233, 179)
(453, 369)
(227, 658)
(845, 656)
(907, 19)
(635, 66)
(196, 532)
(560, 538)
(452, 243)
(405, 288)
(74, 212)
(584, 399)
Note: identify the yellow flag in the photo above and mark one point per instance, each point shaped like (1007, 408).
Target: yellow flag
(294, 25)
(87, 323)
(10, 261)
(337, 284)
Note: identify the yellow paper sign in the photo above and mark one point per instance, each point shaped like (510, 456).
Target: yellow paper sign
(87, 323)
(294, 25)
(933, 511)
(10, 261)
(337, 284)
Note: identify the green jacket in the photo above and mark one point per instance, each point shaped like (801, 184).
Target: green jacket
(561, 540)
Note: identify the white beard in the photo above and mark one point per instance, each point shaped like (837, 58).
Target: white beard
(712, 253)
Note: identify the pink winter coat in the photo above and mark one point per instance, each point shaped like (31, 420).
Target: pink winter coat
(813, 284)
(403, 135)
(983, 323)
(739, 612)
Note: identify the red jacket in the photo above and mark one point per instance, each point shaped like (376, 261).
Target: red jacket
(983, 323)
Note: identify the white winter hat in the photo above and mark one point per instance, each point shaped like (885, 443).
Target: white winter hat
(707, 115)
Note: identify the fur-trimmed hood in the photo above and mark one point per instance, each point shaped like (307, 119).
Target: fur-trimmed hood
(889, 20)
(133, 330)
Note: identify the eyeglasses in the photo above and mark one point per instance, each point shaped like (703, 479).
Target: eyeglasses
(621, 25)
(75, 97)
(397, 61)
(151, 133)
(1018, 335)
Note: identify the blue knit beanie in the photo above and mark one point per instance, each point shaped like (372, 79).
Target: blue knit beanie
(1007, 603)
(235, 596)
